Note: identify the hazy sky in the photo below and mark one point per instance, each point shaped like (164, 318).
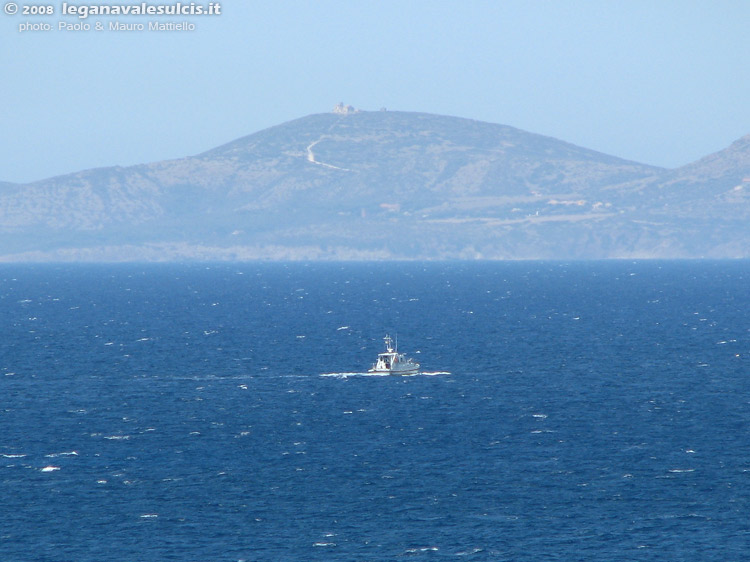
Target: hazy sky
(659, 82)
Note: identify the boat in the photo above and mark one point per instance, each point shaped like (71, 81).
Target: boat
(391, 362)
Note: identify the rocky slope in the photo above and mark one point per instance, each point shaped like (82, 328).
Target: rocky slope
(385, 185)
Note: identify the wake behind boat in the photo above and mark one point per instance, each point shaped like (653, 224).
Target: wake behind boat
(391, 362)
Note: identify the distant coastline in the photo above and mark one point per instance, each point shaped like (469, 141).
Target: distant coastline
(385, 185)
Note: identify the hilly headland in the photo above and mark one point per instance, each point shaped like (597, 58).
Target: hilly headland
(385, 185)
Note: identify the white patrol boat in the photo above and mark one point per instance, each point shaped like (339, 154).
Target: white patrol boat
(391, 362)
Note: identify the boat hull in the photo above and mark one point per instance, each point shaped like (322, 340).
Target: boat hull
(412, 370)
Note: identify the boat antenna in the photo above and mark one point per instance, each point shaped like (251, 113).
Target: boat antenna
(388, 343)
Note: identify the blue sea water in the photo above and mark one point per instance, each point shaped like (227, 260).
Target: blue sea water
(569, 411)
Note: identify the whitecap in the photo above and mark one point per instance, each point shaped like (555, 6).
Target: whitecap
(469, 552)
(149, 516)
(342, 328)
(50, 468)
(13, 456)
(68, 454)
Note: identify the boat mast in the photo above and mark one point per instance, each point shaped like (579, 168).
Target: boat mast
(389, 343)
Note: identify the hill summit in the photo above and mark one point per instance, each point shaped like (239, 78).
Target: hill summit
(356, 184)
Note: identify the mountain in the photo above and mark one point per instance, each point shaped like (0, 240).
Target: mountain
(385, 185)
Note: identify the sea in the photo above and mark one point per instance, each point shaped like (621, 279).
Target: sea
(224, 412)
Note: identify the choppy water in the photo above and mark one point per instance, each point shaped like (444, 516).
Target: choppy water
(590, 411)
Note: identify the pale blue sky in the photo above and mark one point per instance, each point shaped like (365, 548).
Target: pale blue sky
(659, 82)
